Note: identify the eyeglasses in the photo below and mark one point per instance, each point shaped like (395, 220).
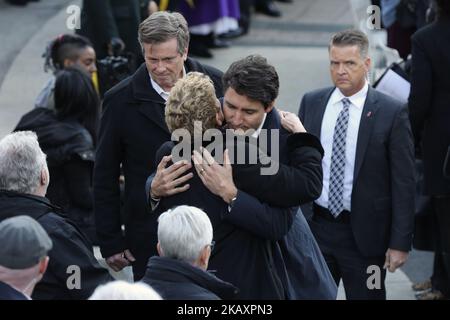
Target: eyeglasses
(212, 244)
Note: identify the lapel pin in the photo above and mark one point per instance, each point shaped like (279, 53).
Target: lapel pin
(369, 114)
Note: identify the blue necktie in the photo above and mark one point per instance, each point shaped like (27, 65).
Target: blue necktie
(337, 166)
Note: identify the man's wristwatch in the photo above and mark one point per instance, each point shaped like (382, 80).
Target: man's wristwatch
(156, 199)
(231, 204)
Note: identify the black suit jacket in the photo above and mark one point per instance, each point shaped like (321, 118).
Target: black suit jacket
(429, 101)
(382, 204)
(131, 131)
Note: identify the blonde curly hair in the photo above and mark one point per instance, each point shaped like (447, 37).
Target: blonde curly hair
(192, 99)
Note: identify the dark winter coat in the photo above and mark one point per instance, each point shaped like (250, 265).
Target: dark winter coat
(178, 280)
(71, 249)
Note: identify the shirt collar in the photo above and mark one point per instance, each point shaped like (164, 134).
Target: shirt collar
(358, 99)
(159, 90)
(258, 131)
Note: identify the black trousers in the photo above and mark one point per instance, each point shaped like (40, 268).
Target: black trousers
(439, 279)
(441, 269)
(363, 277)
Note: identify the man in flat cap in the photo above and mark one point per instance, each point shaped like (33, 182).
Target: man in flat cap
(23, 257)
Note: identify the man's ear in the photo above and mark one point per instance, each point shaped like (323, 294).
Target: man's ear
(203, 260)
(219, 117)
(43, 265)
(158, 248)
(270, 107)
(185, 54)
(368, 63)
(45, 177)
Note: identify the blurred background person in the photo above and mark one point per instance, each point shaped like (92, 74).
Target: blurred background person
(64, 51)
(111, 23)
(67, 135)
(430, 115)
(20, 2)
(401, 18)
(122, 290)
(207, 20)
(169, 5)
(23, 257)
(111, 26)
(266, 7)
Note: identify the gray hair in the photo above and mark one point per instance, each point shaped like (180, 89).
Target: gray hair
(162, 26)
(183, 232)
(121, 290)
(21, 162)
(351, 38)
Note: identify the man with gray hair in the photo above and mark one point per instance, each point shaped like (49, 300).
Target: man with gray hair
(184, 244)
(132, 130)
(73, 271)
(123, 290)
(23, 257)
(363, 219)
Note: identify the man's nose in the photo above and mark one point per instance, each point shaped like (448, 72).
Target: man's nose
(161, 66)
(237, 118)
(341, 69)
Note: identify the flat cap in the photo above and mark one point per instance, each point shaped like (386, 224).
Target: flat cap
(23, 242)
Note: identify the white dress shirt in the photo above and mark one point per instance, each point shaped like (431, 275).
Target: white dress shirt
(330, 116)
(165, 95)
(159, 90)
(258, 131)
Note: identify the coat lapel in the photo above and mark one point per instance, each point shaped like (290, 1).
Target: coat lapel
(317, 113)
(151, 103)
(365, 129)
(271, 122)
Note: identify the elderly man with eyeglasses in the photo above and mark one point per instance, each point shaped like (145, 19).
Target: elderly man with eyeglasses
(184, 247)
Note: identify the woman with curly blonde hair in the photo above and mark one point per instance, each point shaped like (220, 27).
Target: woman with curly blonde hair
(193, 99)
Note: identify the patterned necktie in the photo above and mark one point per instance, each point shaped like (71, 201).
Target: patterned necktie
(336, 190)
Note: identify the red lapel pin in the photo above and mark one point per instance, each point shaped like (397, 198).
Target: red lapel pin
(369, 114)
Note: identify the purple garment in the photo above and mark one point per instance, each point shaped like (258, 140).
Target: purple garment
(208, 11)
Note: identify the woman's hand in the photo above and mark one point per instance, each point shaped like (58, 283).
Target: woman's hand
(291, 122)
(218, 179)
